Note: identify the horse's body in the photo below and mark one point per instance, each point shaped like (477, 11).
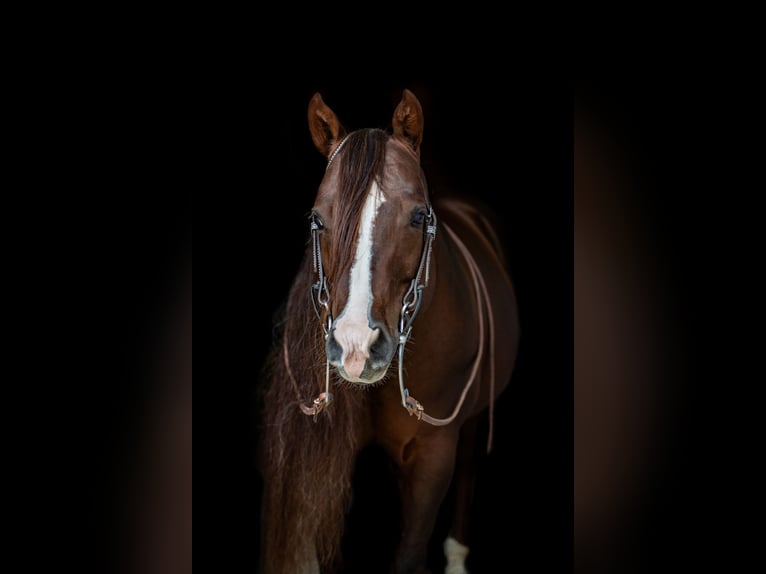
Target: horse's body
(379, 244)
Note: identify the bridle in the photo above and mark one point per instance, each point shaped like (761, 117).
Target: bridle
(319, 293)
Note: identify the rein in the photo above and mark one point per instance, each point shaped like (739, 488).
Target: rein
(482, 302)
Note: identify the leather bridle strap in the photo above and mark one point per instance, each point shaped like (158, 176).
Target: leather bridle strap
(414, 295)
(483, 304)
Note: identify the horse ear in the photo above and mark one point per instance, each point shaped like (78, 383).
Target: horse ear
(408, 121)
(326, 130)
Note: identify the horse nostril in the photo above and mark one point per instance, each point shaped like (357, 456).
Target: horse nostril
(382, 348)
(333, 349)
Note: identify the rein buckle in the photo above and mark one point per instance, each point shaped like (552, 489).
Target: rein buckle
(414, 407)
(320, 403)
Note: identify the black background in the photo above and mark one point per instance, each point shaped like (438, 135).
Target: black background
(118, 134)
(154, 139)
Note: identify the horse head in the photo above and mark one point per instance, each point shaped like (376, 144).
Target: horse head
(371, 223)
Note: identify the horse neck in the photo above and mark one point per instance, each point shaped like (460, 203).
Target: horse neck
(450, 291)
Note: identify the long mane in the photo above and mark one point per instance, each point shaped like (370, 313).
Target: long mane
(307, 465)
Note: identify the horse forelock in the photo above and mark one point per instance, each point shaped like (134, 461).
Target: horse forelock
(360, 164)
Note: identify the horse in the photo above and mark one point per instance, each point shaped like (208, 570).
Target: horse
(400, 329)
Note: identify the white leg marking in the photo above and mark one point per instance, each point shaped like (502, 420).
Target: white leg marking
(311, 567)
(455, 553)
(352, 329)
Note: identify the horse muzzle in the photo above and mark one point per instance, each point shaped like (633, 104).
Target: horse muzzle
(361, 356)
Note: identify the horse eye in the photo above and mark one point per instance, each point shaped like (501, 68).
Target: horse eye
(418, 217)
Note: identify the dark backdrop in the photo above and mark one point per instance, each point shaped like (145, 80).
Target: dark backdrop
(118, 140)
(149, 138)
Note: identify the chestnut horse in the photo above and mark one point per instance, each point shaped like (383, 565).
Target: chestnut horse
(400, 329)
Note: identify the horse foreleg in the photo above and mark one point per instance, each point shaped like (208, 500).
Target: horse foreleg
(456, 544)
(425, 479)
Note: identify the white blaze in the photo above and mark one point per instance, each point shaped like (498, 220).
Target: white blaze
(352, 329)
